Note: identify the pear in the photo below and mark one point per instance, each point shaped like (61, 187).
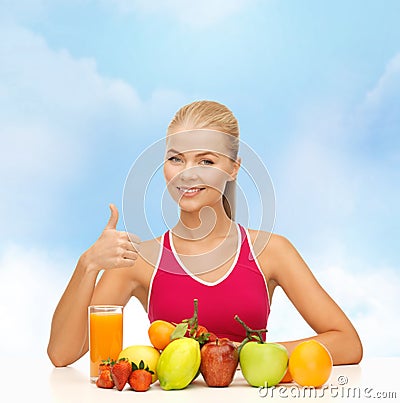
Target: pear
(179, 363)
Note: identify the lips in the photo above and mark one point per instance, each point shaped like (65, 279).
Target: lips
(189, 191)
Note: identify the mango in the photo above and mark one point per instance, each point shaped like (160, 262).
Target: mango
(148, 354)
(179, 363)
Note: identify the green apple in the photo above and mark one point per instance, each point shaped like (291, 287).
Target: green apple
(263, 364)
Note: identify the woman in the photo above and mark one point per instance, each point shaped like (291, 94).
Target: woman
(229, 269)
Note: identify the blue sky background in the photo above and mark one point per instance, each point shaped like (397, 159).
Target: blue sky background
(86, 86)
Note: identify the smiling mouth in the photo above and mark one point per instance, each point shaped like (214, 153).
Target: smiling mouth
(189, 191)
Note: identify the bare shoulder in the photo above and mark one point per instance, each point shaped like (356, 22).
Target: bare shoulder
(149, 251)
(274, 253)
(268, 243)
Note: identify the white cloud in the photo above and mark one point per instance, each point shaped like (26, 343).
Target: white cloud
(379, 118)
(31, 284)
(317, 185)
(55, 111)
(387, 86)
(49, 103)
(52, 106)
(31, 281)
(369, 298)
(337, 201)
(194, 14)
(336, 176)
(38, 80)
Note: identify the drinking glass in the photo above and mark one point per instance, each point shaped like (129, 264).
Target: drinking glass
(105, 335)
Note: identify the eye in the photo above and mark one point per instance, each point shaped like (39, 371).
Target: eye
(206, 162)
(174, 159)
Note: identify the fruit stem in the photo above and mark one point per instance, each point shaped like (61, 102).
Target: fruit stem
(251, 334)
(190, 325)
(193, 321)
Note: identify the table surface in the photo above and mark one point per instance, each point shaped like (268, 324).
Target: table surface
(373, 379)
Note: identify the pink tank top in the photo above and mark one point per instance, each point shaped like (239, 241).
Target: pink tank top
(241, 291)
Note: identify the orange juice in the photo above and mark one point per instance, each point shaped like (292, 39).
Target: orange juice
(105, 335)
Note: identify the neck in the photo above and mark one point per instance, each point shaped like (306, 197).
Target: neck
(208, 222)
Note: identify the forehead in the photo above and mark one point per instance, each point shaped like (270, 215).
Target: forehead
(202, 140)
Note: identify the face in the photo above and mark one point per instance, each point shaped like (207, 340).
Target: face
(197, 167)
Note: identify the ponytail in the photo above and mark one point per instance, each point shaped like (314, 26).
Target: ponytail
(229, 199)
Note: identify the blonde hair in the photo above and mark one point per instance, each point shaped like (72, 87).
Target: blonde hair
(215, 116)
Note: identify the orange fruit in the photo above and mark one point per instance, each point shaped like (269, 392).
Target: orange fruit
(287, 377)
(160, 333)
(310, 364)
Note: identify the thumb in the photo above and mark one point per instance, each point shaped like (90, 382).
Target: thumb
(112, 222)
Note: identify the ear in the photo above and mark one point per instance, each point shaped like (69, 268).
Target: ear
(235, 168)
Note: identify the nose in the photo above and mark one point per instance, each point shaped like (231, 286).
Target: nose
(189, 174)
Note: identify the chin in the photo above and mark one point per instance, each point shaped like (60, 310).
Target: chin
(190, 209)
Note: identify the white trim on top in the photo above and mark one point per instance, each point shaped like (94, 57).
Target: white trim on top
(258, 265)
(155, 271)
(208, 283)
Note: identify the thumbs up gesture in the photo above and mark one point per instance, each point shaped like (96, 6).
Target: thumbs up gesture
(113, 220)
(114, 248)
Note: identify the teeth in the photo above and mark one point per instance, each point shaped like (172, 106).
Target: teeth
(189, 190)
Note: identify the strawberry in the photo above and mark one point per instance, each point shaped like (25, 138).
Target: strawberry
(212, 337)
(105, 364)
(203, 336)
(120, 372)
(201, 330)
(104, 380)
(140, 378)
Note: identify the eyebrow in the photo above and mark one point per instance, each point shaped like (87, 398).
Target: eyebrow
(173, 151)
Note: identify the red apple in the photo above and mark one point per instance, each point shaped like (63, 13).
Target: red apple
(219, 360)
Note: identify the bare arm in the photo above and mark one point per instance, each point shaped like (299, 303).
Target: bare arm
(333, 328)
(112, 252)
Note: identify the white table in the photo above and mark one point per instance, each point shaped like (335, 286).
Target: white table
(372, 380)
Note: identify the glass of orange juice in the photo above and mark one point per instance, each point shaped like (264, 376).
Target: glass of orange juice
(105, 335)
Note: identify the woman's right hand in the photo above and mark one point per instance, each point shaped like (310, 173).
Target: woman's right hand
(113, 249)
